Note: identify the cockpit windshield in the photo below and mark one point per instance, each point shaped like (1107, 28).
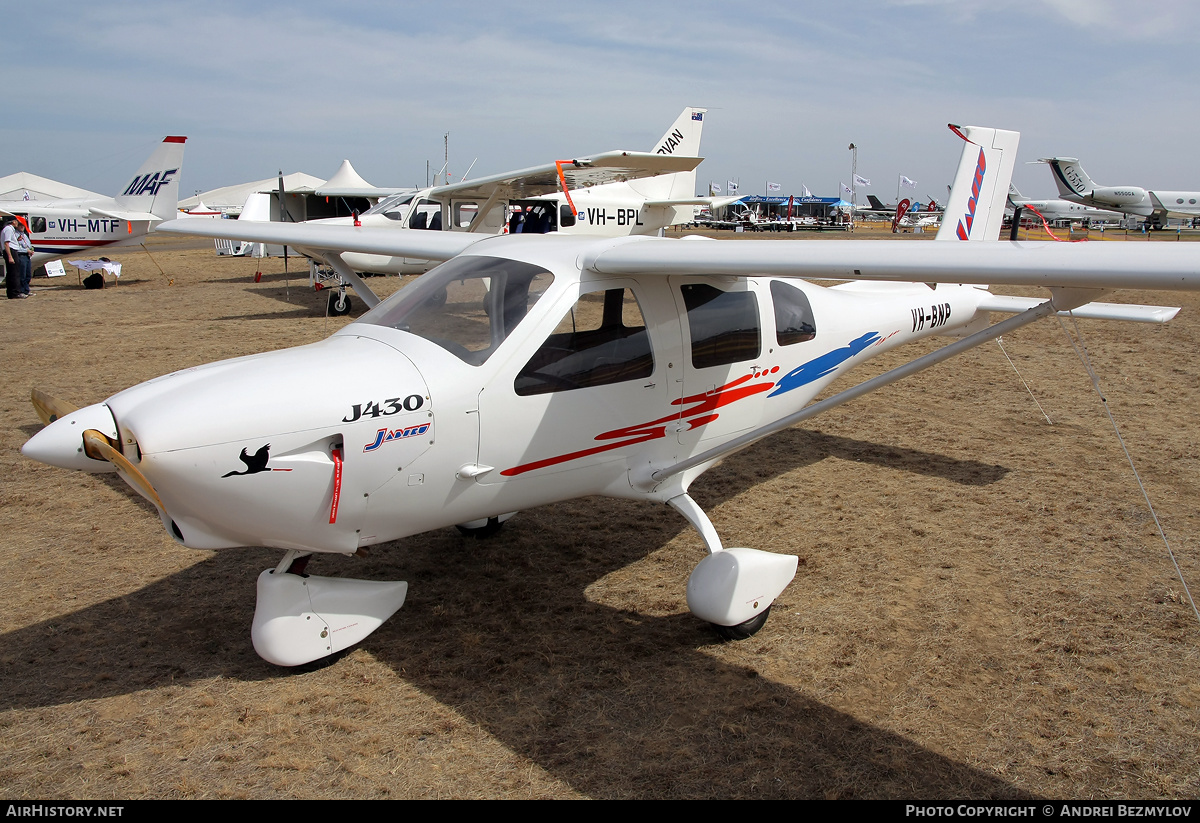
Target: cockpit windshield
(468, 306)
(391, 207)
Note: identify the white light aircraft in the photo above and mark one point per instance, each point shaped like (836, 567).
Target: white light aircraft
(1156, 206)
(63, 227)
(614, 194)
(527, 370)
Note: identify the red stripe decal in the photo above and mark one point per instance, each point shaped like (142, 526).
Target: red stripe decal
(337, 484)
(175, 140)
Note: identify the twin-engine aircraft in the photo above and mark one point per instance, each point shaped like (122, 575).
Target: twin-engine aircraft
(59, 228)
(1155, 206)
(614, 194)
(530, 369)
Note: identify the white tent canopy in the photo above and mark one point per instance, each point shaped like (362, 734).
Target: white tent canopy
(15, 186)
(231, 198)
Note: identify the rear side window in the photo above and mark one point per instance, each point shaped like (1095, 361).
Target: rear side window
(723, 325)
(794, 320)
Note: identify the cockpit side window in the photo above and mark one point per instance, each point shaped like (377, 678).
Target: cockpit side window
(794, 319)
(468, 305)
(601, 340)
(723, 325)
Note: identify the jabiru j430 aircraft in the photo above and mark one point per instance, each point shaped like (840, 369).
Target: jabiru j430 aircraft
(63, 227)
(527, 370)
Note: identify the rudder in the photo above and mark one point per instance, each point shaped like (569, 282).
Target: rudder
(154, 188)
(975, 210)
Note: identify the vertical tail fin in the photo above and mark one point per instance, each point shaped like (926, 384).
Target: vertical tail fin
(682, 139)
(975, 209)
(1069, 176)
(155, 186)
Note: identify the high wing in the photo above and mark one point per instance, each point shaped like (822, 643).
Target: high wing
(609, 167)
(711, 202)
(318, 238)
(1106, 266)
(1049, 264)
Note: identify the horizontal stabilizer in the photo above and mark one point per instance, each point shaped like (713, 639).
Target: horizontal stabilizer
(130, 216)
(1091, 311)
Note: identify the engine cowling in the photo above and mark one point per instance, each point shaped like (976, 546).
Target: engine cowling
(1120, 195)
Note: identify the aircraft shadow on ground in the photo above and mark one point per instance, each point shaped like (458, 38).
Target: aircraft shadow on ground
(612, 702)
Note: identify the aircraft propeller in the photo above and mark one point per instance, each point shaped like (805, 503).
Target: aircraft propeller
(98, 447)
(96, 444)
(50, 408)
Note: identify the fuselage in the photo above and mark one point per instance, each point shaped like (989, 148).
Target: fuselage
(63, 228)
(507, 378)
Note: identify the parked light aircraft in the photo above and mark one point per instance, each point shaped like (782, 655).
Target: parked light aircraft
(1156, 206)
(614, 194)
(527, 370)
(62, 227)
(883, 210)
(1054, 210)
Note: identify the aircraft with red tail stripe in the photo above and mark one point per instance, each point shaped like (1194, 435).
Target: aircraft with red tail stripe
(59, 228)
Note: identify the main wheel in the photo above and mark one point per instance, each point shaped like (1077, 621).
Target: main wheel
(339, 304)
(743, 630)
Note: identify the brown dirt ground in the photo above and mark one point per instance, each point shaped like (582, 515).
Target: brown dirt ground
(983, 607)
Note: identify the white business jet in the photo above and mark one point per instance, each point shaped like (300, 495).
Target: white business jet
(63, 227)
(532, 369)
(1156, 206)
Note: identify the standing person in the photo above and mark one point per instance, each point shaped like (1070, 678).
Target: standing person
(12, 277)
(17, 251)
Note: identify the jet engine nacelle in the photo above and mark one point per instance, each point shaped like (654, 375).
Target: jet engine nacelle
(1119, 195)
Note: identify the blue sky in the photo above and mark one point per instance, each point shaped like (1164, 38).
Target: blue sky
(301, 85)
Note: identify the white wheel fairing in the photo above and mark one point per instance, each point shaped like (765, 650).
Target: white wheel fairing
(301, 618)
(731, 586)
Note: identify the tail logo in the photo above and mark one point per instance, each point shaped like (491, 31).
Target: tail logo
(1071, 177)
(149, 183)
(673, 140)
(964, 231)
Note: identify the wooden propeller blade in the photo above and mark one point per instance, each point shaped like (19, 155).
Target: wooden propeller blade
(50, 408)
(96, 444)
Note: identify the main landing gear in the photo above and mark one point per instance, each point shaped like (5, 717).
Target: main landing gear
(483, 529)
(339, 302)
(732, 589)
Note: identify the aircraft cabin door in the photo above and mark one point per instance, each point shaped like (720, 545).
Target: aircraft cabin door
(725, 376)
(571, 407)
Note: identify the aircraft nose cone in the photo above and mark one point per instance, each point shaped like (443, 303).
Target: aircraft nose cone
(61, 443)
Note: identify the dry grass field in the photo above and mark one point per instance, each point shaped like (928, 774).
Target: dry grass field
(983, 607)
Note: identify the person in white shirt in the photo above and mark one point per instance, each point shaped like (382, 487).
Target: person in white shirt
(17, 252)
